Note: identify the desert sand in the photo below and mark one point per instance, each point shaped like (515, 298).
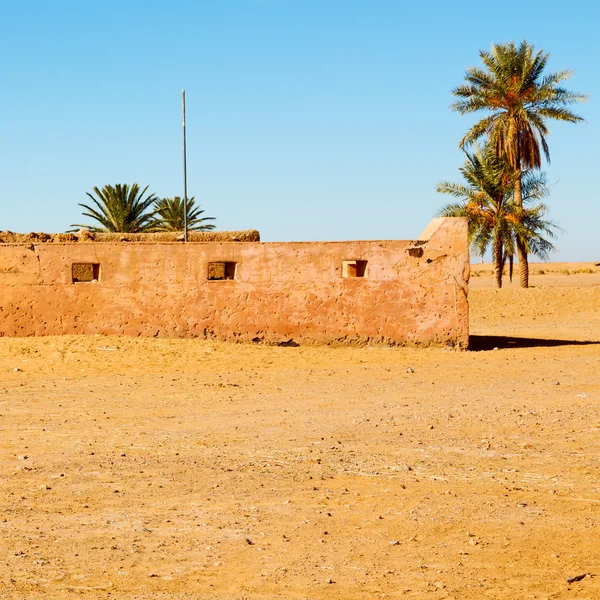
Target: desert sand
(186, 469)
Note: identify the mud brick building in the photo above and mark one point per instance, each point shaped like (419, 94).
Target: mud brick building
(411, 292)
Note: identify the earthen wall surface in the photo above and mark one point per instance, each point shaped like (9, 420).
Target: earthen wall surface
(412, 292)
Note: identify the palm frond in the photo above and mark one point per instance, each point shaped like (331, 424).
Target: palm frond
(486, 198)
(119, 208)
(516, 99)
(170, 215)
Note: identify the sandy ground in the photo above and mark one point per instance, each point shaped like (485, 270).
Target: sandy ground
(152, 468)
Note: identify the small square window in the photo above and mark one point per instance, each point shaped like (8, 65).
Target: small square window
(85, 272)
(219, 271)
(354, 268)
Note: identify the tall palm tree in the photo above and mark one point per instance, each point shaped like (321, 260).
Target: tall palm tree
(120, 208)
(170, 215)
(518, 99)
(487, 200)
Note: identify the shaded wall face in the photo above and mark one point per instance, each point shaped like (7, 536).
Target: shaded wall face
(392, 292)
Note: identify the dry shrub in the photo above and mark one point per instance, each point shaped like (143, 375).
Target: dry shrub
(248, 235)
(82, 272)
(64, 237)
(583, 271)
(85, 235)
(8, 237)
(216, 270)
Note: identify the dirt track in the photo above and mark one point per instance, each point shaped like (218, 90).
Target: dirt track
(152, 468)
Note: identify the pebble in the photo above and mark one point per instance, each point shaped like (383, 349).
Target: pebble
(410, 370)
(394, 543)
(576, 578)
(17, 370)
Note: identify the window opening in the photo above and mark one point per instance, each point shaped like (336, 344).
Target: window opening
(85, 272)
(219, 271)
(354, 268)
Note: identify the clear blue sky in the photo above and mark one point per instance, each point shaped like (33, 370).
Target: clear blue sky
(307, 119)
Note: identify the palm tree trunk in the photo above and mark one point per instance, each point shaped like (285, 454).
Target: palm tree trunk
(521, 246)
(523, 264)
(498, 260)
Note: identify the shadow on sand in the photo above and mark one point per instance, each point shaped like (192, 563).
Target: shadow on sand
(478, 343)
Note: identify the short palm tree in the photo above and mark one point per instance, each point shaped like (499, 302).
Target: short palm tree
(486, 199)
(170, 215)
(120, 208)
(518, 99)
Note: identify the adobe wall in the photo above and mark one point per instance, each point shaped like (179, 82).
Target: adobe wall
(412, 292)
